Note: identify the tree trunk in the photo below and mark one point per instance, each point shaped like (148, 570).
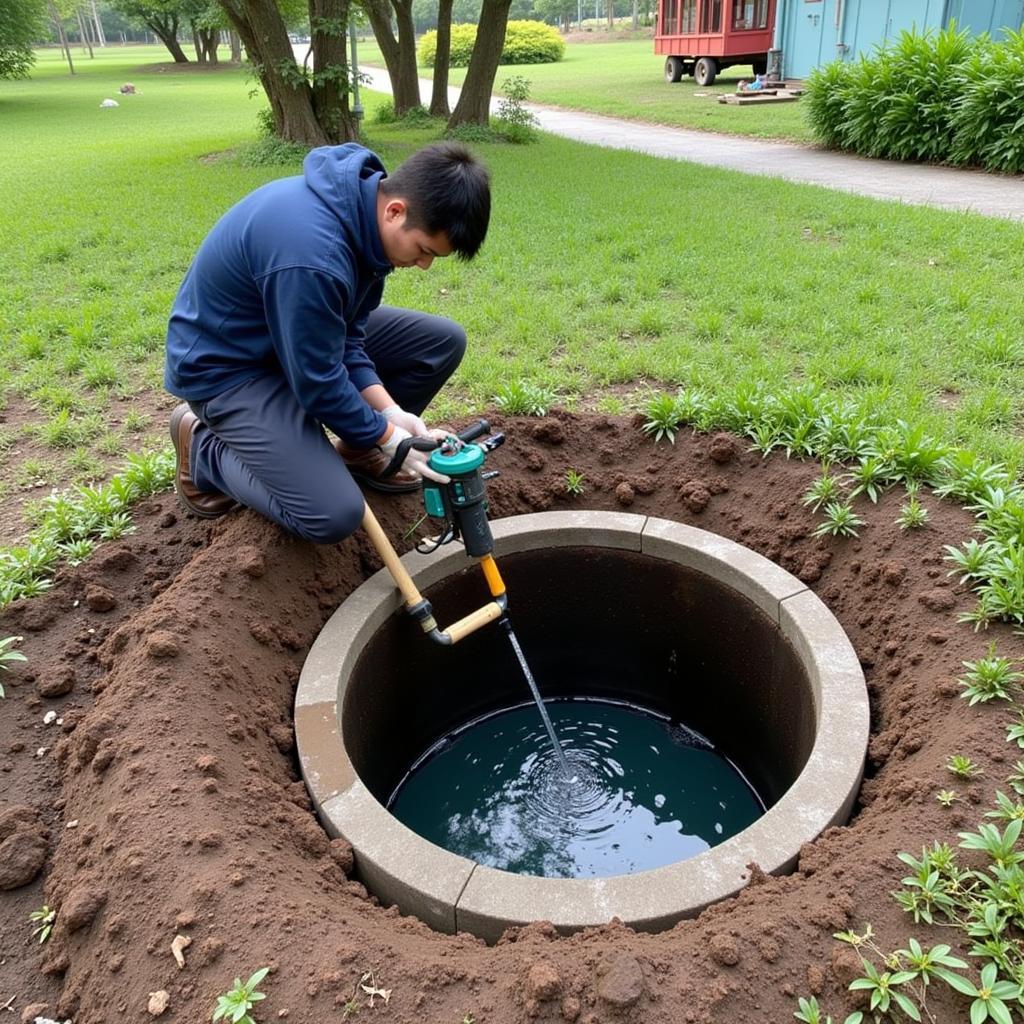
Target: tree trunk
(167, 32)
(636, 14)
(61, 35)
(236, 47)
(100, 37)
(263, 32)
(86, 41)
(474, 106)
(328, 20)
(439, 92)
(206, 43)
(399, 54)
(611, 15)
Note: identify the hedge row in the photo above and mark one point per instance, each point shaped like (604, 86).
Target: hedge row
(526, 42)
(943, 97)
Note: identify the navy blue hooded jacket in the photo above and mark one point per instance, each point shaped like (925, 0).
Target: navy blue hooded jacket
(284, 283)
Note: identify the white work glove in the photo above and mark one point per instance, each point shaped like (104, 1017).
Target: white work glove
(415, 462)
(406, 420)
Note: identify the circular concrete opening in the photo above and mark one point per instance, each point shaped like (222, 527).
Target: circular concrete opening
(607, 605)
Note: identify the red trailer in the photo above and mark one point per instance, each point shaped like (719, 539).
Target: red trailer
(701, 37)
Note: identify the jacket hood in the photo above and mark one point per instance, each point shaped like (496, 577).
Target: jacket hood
(345, 178)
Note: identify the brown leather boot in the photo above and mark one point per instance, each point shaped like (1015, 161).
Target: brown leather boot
(366, 465)
(205, 504)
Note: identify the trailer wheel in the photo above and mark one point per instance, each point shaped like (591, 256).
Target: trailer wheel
(704, 71)
(673, 69)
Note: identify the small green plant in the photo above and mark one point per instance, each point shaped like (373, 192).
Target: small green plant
(963, 767)
(1015, 734)
(8, 654)
(947, 797)
(1005, 809)
(234, 1006)
(1016, 778)
(990, 998)
(871, 476)
(810, 1012)
(988, 678)
(840, 521)
(76, 551)
(824, 490)
(574, 482)
(514, 121)
(766, 438)
(663, 417)
(135, 422)
(522, 398)
(42, 919)
(913, 515)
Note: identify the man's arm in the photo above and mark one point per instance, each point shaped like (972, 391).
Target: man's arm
(310, 335)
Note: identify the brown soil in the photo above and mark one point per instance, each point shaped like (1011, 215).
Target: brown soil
(168, 801)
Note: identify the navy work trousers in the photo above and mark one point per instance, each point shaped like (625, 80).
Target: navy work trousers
(258, 445)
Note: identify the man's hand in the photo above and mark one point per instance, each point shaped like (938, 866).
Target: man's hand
(406, 420)
(415, 461)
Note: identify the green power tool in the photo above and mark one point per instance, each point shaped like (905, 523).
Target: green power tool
(460, 506)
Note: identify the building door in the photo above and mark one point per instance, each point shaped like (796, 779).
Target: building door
(811, 36)
(910, 15)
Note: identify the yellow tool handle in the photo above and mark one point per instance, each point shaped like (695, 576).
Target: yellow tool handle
(473, 621)
(412, 597)
(390, 558)
(494, 581)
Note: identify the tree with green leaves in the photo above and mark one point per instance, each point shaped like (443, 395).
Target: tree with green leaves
(558, 12)
(163, 18)
(22, 22)
(310, 105)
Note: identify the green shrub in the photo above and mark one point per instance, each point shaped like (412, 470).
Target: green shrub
(987, 126)
(385, 113)
(938, 97)
(526, 42)
(532, 42)
(827, 90)
(462, 39)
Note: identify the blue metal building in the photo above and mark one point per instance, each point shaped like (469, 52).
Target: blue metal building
(813, 32)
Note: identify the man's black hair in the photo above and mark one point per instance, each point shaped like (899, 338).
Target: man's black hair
(445, 188)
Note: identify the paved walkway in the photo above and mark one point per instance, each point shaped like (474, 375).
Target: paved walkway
(920, 185)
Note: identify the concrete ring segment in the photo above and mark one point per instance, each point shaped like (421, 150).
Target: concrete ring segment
(452, 893)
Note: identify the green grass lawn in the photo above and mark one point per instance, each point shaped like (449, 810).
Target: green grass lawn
(624, 79)
(604, 271)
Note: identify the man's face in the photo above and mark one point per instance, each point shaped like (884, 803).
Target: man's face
(405, 246)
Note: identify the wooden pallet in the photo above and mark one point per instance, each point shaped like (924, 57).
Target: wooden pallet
(750, 99)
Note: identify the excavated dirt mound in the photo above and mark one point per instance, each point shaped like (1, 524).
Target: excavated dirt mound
(166, 798)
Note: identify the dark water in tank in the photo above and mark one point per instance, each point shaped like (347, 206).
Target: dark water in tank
(643, 792)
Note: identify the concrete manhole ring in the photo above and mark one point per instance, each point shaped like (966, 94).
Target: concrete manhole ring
(810, 696)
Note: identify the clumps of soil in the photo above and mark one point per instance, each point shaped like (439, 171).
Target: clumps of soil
(166, 799)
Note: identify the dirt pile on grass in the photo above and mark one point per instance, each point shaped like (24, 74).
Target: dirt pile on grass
(168, 802)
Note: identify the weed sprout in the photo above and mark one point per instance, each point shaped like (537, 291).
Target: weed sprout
(840, 521)
(236, 1004)
(574, 482)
